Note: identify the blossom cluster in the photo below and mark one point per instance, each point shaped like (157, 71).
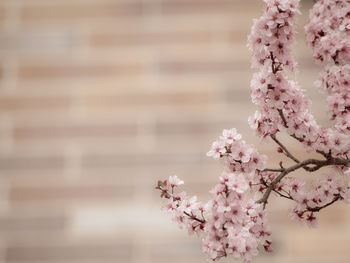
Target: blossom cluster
(328, 34)
(272, 35)
(236, 153)
(186, 211)
(272, 92)
(310, 200)
(282, 104)
(236, 226)
(328, 31)
(335, 81)
(231, 223)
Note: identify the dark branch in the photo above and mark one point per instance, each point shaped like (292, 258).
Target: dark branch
(283, 118)
(272, 170)
(285, 150)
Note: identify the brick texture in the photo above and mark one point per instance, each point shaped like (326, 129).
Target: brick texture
(100, 98)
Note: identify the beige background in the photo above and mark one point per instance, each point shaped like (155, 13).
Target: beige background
(100, 98)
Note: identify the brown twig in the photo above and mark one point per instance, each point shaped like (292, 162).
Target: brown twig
(272, 170)
(318, 208)
(193, 217)
(283, 118)
(291, 156)
(277, 192)
(284, 148)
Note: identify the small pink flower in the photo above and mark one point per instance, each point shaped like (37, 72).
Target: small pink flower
(229, 136)
(174, 181)
(217, 149)
(241, 152)
(311, 219)
(237, 183)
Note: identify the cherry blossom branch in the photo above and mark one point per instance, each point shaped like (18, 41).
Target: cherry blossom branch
(272, 185)
(336, 198)
(278, 192)
(308, 208)
(233, 216)
(318, 164)
(167, 191)
(291, 156)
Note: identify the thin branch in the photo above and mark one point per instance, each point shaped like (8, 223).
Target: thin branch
(291, 156)
(195, 218)
(318, 208)
(277, 192)
(282, 195)
(279, 178)
(284, 148)
(283, 118)
(272, 63)
(272, 170)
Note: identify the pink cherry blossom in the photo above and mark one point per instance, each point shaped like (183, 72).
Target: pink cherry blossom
(234, 221)
(175, 181)
(240, 152)
(327, 32)
(237, 183)
(217, 149)
(229, 136)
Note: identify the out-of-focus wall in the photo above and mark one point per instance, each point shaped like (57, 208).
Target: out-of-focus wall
(100, 98)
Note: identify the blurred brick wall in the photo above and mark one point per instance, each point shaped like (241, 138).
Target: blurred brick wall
(100, 98)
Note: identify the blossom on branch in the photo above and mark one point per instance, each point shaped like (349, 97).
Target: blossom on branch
(234, 221)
